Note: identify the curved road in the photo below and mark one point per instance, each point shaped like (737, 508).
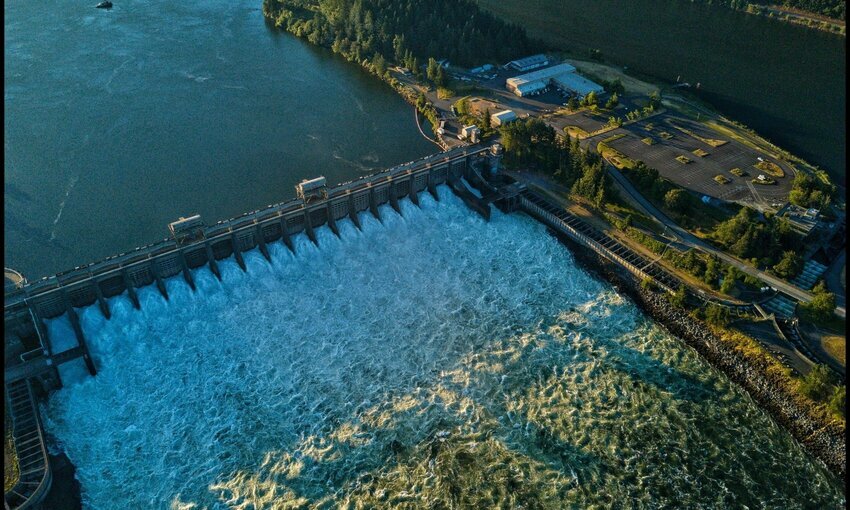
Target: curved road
(695, 242)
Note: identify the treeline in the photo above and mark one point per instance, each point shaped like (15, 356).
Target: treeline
(812, 190)
(531, 143)
(766, 243)
(830, 8)
(400, 31)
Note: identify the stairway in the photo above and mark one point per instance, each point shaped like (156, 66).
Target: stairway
(33, 466)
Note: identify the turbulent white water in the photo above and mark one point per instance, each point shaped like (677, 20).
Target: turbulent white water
(433, 359)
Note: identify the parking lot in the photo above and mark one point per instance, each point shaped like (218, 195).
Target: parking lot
(698, 175)
(669, 137)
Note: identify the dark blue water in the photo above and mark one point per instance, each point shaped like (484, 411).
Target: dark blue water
(117, 122)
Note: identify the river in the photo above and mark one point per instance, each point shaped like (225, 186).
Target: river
(431, 360)
(118, 122)
(784, 81)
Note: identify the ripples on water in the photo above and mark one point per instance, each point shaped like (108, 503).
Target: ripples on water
(433, 358)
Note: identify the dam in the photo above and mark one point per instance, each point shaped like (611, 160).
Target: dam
(405, 352)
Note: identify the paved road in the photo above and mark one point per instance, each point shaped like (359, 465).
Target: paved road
(695, 242)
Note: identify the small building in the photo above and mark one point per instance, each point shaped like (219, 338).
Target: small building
(802, 220)
(529, 63)
(471, 133)
(481, 69)
(503, 117)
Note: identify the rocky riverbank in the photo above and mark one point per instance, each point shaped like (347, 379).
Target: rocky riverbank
(824, 440)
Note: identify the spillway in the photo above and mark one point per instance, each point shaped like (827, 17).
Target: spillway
(430, 358)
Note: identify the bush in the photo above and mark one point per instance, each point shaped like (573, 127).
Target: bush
(816, 384)
(677, 200)
(717, 315)
(790, 265)
(838, 402)
(822, 305)
(677, 299)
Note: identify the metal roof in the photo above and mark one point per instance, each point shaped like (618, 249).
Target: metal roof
(539, 59)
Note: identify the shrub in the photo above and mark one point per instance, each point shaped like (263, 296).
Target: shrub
(717, 315)
(838, 402)
(816, 384)
(822, 305)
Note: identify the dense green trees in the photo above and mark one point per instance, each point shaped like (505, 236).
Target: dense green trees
(677, 200)
(789, 266)
(532, 143)
(811, 190)
(436, 73)
(822, 305)
(590, 99)
(817, 383)
(401, 31)
(746, 236)
(831, 8)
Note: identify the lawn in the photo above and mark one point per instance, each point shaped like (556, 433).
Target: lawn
(770, 168)
(834, 346)
(683, 159)
(699, 152)
(617, 158)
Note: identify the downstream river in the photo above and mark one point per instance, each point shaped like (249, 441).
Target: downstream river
(118, 122)
(784, 81)
(431, 360)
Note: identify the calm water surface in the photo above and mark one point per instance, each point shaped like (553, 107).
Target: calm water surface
(784, 81)
(117, 122)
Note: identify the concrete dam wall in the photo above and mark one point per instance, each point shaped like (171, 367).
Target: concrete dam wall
(28, 306)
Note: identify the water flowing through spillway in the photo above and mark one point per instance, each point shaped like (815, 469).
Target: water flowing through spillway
(433, 358)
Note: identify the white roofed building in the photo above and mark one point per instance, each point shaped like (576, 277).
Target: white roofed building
(562, 76)
(503, 117)
(577, 84)
(529, 63)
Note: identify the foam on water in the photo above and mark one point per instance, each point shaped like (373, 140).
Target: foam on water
(432, 357)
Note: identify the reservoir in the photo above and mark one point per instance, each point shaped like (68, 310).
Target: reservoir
(431, 358)
(784, 81)
(120, 121)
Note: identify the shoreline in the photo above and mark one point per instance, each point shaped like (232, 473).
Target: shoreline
(824, 441)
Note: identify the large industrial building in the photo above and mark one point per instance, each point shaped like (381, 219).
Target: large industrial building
(562, 76)
(529, 63)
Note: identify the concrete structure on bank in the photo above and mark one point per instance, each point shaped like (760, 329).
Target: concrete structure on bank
(471, 133)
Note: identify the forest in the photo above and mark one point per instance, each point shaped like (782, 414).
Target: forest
(830, 8)
(401, 31)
